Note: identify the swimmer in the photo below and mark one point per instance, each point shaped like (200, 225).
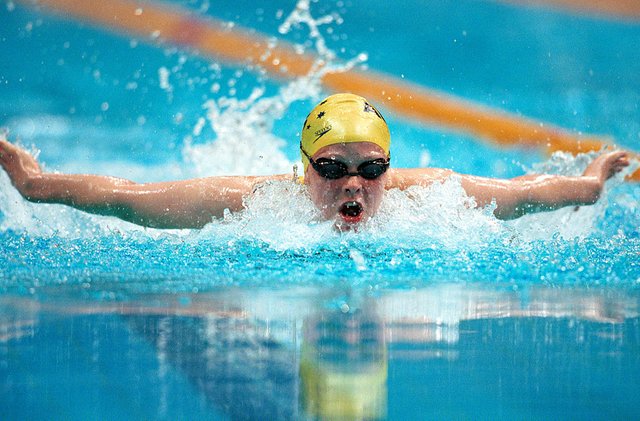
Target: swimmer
(345, 151)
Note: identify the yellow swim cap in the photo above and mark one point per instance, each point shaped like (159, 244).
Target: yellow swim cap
(343, 118)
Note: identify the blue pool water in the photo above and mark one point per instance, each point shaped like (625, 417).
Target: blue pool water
(435, 311)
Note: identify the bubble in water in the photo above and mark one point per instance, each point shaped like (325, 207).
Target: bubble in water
(163, 76)
(424, 159)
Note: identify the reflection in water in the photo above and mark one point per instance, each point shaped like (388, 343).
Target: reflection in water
(240, 366)
(233, 362)
(447, 351)
(343, 366)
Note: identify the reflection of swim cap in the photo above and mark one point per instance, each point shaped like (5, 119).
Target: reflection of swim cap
(343, 118)
(344, 366)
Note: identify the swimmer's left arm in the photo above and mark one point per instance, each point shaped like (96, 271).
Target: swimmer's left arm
(536, 193)
(527, 194)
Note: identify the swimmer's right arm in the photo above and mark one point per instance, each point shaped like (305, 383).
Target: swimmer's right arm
(177, 204)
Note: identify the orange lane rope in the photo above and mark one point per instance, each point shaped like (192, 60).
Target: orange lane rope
(619, 9)
(221, 41)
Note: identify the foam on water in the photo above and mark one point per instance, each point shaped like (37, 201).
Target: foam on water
(282, 216)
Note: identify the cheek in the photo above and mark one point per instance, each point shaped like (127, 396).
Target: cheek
(375, 192)
(322, 193)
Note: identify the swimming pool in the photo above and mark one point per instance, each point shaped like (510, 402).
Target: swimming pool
(427, 314)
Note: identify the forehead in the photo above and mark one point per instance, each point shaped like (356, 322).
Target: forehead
(352, 149)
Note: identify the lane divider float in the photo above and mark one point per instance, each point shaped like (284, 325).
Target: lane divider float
(619, 9)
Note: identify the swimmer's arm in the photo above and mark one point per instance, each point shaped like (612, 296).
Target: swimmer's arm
(179, 204)
(527, 194)
(537, 193)
(173, 205)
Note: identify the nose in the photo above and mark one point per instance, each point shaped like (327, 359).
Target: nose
(352, 185)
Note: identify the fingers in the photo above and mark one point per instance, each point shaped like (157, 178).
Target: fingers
(620, 155)
(7, 150)
(607, 165)
(620, 160)
(615, 162)
(16, 160)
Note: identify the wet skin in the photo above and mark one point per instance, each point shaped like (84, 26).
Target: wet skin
(350, 200)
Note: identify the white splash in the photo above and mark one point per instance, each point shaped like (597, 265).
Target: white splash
(441, 215)
(279, 214)
(300, 16)
(244, 142)
(282, 216)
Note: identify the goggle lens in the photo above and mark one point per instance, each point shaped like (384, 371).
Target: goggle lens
(333, 170)
(373, 169)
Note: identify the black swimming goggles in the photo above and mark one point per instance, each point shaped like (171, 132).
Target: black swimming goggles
(333, 169)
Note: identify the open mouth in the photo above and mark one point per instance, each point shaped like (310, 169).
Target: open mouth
(351, 211)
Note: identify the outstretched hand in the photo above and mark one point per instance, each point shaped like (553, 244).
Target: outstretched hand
(607, 165)
(19, 165)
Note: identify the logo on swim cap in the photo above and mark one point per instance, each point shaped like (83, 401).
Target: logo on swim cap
(343, 118)
(322, 132)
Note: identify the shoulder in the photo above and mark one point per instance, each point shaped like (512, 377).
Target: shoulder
(403, 178)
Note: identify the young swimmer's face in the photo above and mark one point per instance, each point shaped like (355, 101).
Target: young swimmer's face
(349, 200)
